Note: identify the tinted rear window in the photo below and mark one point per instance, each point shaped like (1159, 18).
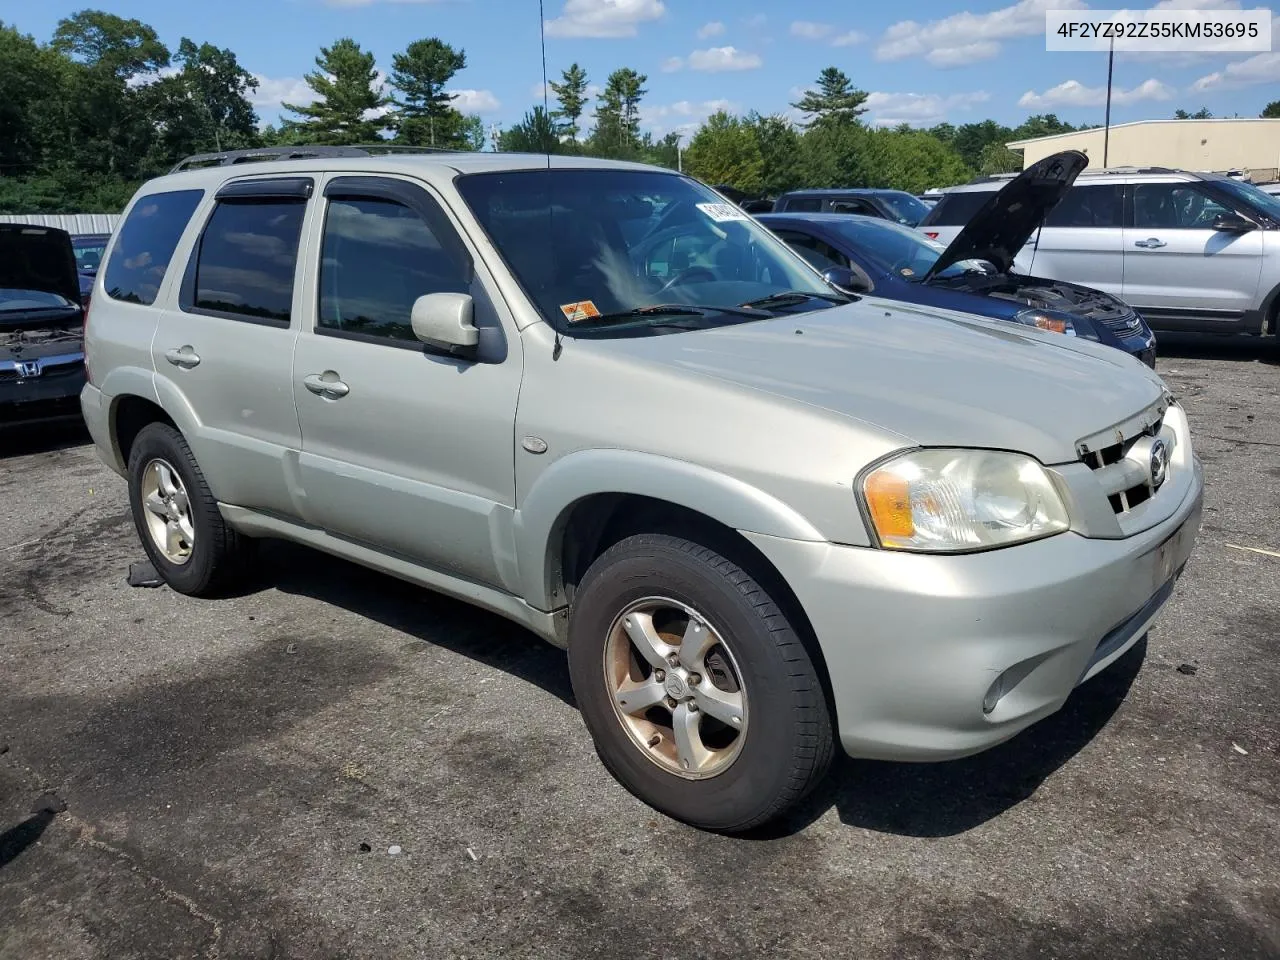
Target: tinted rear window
(956, 209)
(246, 260)
(802, 204)
(146, 243)
(1093, 206)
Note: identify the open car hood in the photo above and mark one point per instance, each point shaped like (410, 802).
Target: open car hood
(1005, 222)
(38, 258)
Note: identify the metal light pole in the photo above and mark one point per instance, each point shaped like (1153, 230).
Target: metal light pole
(1106, 131)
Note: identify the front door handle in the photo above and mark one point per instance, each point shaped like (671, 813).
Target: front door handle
(184, 357)
(326, 385)
(1150, 243)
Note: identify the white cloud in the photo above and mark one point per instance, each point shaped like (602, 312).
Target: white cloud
(757, 20)
(808, 30)
(272, 92)
(475, 101)
(712, 29)
(1261, 68)
(683, 116)
(604, 18)
(922, 109)
(672, 64)
(965, 37)
(721, 59)
(848, 39)
(1073, 93)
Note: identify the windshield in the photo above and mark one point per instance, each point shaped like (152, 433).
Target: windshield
(14, 299)
(905, 207)
(590, 243)
(1251, 195)
(900, 250)
(89, 251)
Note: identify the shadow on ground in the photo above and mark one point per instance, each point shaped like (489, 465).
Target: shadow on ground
(1205, 346)
(31, 438)
(16, 839)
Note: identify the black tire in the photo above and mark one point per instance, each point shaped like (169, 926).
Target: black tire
(788, 743)
(218, 553)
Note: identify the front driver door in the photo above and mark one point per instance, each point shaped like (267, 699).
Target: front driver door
(1177, 267)
(405, 450)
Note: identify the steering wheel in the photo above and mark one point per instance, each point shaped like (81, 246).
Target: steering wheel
(687, 276)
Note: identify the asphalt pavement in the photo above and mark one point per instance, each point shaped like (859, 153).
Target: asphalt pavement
(336, 764)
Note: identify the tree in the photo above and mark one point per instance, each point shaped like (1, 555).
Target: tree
(350, 97)
(123, 48)
(1201, 114)
(835, 101)
(205, 106)
(472, 133)
(1271, 110)
(572, 94)
(534, 134)
(725, 150)
(997, 158)
(617, 132)
(425, 114)
(778, 143)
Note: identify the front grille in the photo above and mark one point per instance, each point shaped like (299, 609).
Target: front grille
(1126, 482)
(1124, 325)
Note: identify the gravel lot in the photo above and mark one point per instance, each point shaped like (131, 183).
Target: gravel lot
(235, 772)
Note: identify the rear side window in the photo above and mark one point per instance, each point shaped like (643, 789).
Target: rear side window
(956, 209)
(245, 263)
(145, 245)
(1092, 206)
(803, 205)
(378, 257)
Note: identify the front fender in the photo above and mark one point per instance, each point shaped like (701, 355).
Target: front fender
(539, 522)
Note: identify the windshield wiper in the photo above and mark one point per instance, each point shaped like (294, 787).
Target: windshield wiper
(662, 310)
(786, 298)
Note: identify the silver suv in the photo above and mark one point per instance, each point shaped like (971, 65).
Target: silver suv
(1189, 251)
(601, 401)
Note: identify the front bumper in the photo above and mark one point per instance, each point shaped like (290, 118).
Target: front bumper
(915, 643)
(53, 394)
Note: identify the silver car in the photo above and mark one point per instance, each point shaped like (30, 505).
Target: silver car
(764, 517)
(1188, 251)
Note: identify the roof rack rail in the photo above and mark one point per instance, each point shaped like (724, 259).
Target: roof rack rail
(226, 158)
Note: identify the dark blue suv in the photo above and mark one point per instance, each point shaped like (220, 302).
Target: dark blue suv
(973, 274)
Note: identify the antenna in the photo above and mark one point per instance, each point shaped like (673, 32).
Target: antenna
(546, 116)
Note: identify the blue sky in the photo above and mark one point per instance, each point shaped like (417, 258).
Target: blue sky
(955, 60)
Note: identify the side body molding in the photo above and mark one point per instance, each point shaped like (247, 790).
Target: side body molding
(542, 514)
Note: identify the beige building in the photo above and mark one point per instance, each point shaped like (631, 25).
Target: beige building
(1252, 146)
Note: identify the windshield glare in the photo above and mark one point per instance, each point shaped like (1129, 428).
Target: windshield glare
(905, 207)
(1259, 199)
(16, 299)
(902, 251)
(584, 243)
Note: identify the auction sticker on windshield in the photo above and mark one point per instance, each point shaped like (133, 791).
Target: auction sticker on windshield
(582, 310)
(722, 212)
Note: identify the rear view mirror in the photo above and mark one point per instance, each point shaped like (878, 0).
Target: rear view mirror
(844, 280)
(444, 321)
(1233, 223)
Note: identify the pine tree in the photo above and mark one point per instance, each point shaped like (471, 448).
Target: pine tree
(425, 114)
(572, 94)
(835, 101)
(349, 98)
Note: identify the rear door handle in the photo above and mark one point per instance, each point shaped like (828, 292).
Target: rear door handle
(1150, 243)
(326, 385)
(184, 357)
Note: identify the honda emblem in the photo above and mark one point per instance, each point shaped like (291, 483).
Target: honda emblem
(28, 368)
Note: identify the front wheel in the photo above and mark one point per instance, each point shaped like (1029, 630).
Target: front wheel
(699, 694)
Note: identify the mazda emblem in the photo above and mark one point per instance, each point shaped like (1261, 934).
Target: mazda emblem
(1159, 466)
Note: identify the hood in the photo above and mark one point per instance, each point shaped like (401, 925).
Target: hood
(933, 377)
(1005, 223)
(38, 258)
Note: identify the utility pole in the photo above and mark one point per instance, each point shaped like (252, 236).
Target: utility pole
(1106, 131)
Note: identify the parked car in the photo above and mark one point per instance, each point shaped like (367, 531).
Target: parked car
(897, 206)
(1189, 251)
(1272, 189)
(89, 249)
(762, 516)
(41, 325)
(972, 274)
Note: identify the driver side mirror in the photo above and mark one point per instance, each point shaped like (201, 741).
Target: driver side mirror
(845, 280)
(444, 322)
(1233, 223)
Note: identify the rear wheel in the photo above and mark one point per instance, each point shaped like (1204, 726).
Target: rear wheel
(699, 694)
(186, 539)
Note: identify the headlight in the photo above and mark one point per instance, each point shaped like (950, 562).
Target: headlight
(958, 500)
(1050, 320)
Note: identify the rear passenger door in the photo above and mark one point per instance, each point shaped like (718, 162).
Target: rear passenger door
(224, 349)
(409, 451)
(1178, 268)
(1081, 240)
